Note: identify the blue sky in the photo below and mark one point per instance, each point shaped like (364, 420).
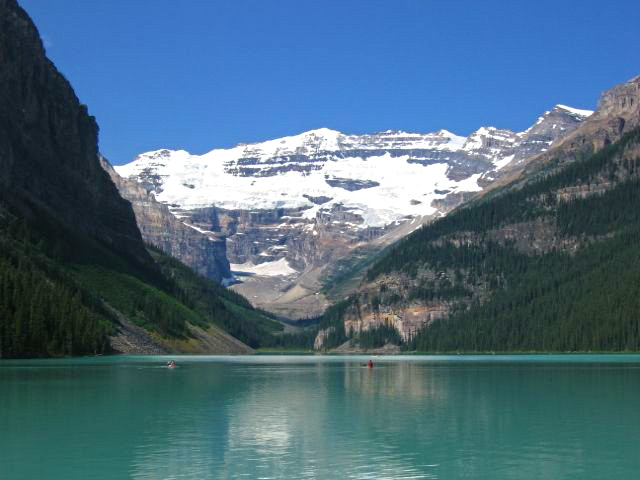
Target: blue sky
(202, 74)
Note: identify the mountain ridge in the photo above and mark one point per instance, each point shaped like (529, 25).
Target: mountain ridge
(525, 266)
(318, 198)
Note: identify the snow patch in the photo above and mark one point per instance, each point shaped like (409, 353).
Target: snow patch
(276, 268)
(196, 228)
(576, 111)
(469, 184)
(504, 162)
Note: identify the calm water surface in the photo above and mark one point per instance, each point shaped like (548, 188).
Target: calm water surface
(520, 417)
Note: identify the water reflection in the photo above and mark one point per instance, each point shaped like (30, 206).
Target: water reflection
(319, 418)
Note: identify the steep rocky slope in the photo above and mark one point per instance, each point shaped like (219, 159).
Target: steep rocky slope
(204, 252)
(75, 275)
(297, 211)
(617, 113)
(48, 144)
(546, 261)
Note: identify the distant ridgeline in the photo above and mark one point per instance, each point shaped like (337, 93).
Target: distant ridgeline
(74, 271)
(550, 262)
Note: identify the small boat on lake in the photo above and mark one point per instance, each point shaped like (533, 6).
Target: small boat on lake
(171, 364)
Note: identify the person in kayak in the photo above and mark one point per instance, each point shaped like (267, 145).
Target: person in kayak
(171, 364)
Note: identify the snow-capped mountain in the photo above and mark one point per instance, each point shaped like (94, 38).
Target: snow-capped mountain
(382, 177)
(311, 198)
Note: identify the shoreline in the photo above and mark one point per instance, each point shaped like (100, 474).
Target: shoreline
(307, 353)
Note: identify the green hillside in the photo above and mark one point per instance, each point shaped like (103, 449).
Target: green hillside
(574, 287)
(58, 293)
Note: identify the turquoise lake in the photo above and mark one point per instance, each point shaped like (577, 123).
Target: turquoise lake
(324, 417)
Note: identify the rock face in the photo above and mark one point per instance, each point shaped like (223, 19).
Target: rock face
(203, 251)
(621, 103)
(321, 337)
(616, 114)
(313, 199)
(406, 320)
(48, 144)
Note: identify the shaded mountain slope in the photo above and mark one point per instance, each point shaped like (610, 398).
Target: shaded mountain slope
(48, 144)
(205, 252)
(74, 271)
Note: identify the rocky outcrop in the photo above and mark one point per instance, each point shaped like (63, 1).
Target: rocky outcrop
(618, 112)
(620, 105)
(48, 145)
(407, 319)
(202, 250)
(321, 337)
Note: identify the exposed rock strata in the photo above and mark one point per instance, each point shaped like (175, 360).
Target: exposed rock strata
(204, 251)
(407, 320)
(618, 112)
(316, 228)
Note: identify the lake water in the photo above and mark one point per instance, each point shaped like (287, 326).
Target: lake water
(324, 417)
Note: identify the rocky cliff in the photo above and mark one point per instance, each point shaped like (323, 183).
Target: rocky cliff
(203, 251)
(617, 113)
(297, 211)
(48, 144)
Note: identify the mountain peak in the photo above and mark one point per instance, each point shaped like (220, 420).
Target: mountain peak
(322, 132)
(161, 153)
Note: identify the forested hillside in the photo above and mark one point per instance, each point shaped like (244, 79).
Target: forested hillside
(548, 263)
(74, 271)
(580, 292)
(62, 294)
